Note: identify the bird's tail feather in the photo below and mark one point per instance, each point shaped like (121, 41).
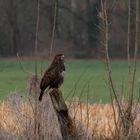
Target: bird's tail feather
(41, 95)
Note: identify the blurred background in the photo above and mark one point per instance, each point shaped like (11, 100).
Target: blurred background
(27, 27)
(77, 28)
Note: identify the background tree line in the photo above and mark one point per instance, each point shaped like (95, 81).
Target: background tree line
(77, 31)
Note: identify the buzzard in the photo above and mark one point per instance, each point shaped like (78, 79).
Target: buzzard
(54, 75)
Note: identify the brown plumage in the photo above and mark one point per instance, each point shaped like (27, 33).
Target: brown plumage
(54, 75)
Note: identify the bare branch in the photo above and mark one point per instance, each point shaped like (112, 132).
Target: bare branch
(37, 28)
(128, 36)
(21, 65)
(104, 18)
(54, 26)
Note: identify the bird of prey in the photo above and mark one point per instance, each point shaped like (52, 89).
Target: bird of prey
(54, 75)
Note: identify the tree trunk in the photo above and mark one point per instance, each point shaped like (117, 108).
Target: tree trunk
(16, 40)
(12, 16)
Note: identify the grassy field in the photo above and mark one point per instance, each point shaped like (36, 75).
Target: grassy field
(82, 78)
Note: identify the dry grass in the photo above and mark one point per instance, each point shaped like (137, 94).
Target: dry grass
(96, 120)
(11, 118)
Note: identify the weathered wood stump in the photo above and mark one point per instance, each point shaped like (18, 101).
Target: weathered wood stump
(51, 118)
(68, 129)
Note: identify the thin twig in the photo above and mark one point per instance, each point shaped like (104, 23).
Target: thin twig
(21, 65)
(136, 43)
(113, 107)
(76, 84)
(128, 35)
(81, 94)
(104, 18)
(54, 27)
(36, 71)
(128, 51)
(37, 27)
(137, 34)
(87, 127)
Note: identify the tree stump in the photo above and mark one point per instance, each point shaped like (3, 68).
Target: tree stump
(68, 129)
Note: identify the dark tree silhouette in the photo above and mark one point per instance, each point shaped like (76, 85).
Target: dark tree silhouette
(12, 16)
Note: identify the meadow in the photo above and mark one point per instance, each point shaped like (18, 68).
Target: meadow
(83, 78)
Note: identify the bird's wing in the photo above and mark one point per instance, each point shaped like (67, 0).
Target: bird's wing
(47, 79)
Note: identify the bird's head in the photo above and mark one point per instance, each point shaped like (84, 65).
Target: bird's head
(59, 58)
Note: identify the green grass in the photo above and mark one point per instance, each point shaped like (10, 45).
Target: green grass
(82, 77)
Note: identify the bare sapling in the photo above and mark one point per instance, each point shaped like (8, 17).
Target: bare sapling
(126, 116)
